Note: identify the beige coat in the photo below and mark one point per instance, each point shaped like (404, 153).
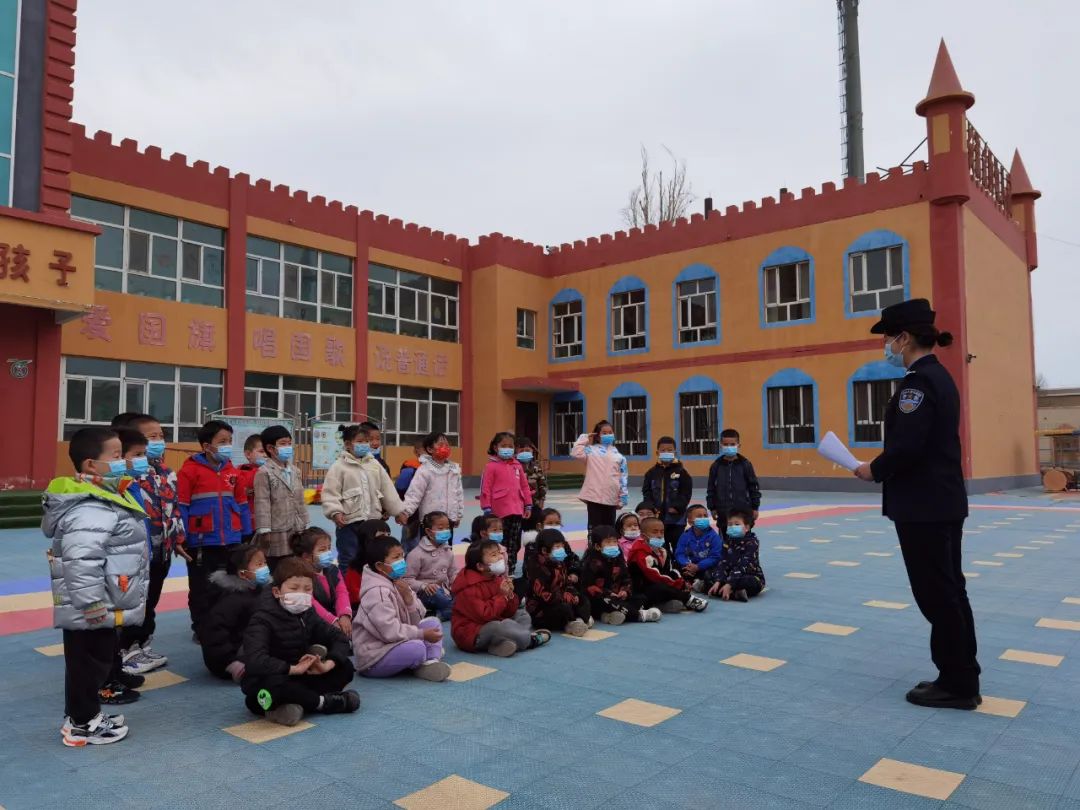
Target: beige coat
(280, 511)
(359, 489)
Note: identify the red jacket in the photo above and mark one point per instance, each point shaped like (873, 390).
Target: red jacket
(353, 578)
(213, 504)
(245, 477)
(478, 599)
(650, 564)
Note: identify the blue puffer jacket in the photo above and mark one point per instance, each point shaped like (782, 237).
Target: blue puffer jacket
(703, 550)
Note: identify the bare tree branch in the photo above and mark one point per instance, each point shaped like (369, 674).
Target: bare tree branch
(658, 198)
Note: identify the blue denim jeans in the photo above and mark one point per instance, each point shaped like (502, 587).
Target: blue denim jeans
(348, 544)
(440, 601)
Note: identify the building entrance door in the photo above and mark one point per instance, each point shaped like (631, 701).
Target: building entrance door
(527, 420)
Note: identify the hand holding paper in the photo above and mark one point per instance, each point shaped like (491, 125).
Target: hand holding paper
(835, 451)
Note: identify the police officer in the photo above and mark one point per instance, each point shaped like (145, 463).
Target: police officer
(924, 495)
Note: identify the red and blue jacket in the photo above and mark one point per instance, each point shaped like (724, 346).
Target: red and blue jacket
(213, 503)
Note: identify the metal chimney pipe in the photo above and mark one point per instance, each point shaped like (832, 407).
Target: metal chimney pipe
(708, 207)
(849, 17)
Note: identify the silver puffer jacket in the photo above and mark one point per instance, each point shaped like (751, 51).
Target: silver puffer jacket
(99, 553)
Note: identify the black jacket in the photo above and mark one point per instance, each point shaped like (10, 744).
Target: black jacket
(733, 485)
(276, 639)
(221, 630)
(667, 488)
(602, 576)
(922, 464)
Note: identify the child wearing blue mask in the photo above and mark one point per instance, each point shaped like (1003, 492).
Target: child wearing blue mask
(254, 458)
(552, 600)
(699, 549)
(606, 577)
(504, 492)
(390, 634)
(329, 595)
(655, 577)
(528, 456)
(280, 510)
(430, 567)
(238, 588)
(668, 488)
(605, 487)
(739, 575)
(733, 484)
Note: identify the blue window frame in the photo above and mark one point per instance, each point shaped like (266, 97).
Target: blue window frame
(786, 288)
(628, 317)
(789, 410)
(629, 408)
(566, 325)
(10, 19)
(877, 273)
(869, 391)
(696, 307)
(699, 414)
(567, 423)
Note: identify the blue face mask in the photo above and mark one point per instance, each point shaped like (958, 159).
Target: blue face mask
(442, 536)
(701, 523)
(892, 357)
(610, 551)
(730, 450)
(656, 542)
(259, 461)
(496, 537)
(557, 527)
(155, 449)
(361, 449)
(285, 454)
(140, 466)
(736, 531)
(117, 468)
(506, 453)
(524, 456)
(558, 554)
(262, 575)
(607, 439)
(397, 569)
(667, 458)
(223, 452)
(326, 559)
(376, 451)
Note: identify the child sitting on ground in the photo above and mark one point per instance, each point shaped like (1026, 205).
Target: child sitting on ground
(549, 519)
(293, 661)
(366, 531)
(699, 549)
(239, 589)
(485, 612)
(606, 578)
(739, 575)
(552, 600)
(330, 597)
(390, 633)
(655, 578)
(486, 527)
(628, 530)
(431, 568)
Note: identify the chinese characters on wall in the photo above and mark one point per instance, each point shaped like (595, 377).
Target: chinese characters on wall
(404, 361)
(15, 264)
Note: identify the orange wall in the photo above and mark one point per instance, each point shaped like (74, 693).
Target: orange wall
(290, 346)
(1001, 377)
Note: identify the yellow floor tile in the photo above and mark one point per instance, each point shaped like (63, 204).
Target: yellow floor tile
(26, 601)
(852, 520)
(1001, 707)
(159, 679)
(1012, 555)
(639, 713)
(1028, 548)
(972, 531)
(879, 554)
(593, 635)
(907, 777)
(453, 791)
(756, 662)
(805, 528)
(844, 563)
(830, 524)
(51, 649)
(830, 629)
(1058, 624)
(464, 671)
(260, 731)
(801, 575)
(849, 537)
(874, 531)
(1026, 657)
(786, 548)
(878, 603)
(777, 531)
(820, 540)
(1064, 531)
(1044, 542)
(991, 563)
(970, 574)
(1068, 600)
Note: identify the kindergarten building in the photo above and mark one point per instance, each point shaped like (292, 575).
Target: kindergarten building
(133, 280)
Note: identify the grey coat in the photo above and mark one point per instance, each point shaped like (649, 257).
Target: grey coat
(280, 511)
(99, 554)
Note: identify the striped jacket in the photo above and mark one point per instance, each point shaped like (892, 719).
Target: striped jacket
(213, 503)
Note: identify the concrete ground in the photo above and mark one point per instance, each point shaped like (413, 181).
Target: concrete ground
(793, 700)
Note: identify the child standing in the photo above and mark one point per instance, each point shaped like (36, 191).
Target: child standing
(436, 485)
(529, 457)
(504, 492)
(739, 575)
(654, 576)
(553, 602)
(733, 484)
(485, 613)
(604, 489)
(390, 634)
(330, 597)
(645, 509)
(224, 624)
(669, 488)
(699, 549)
(214, 506)
(408, 469)
(280, 511)
(283, 676)
(98, 541)
(607, 582)
(430, 567)
(245, 473)
(374, 434)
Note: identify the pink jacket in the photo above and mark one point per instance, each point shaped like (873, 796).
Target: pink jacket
(382, 620)
(340, 597)
(429, 563)
(605, 472)
(504, 488)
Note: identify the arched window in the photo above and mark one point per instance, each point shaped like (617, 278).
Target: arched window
(699, 414)
(628, 316)
(630, 418)
(696, 300)
(567, 422)
(567, 326)
(876, 273)
(786, 288)
(869, 391)
(789, 401)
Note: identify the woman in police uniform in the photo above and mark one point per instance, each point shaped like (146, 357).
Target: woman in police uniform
(923, 494)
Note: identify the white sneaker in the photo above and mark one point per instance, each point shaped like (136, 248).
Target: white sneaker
(615, 617)
(577, 628)
(436, 671)
(155, 659)
(697, 604)
(116, 720)
(135, 663)
(650, 615)
(99, 731)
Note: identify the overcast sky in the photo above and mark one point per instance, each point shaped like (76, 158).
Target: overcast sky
(475, 116)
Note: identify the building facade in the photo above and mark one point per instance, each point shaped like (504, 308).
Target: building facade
(214, 292)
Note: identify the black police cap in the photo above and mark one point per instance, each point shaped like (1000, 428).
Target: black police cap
(901, 317)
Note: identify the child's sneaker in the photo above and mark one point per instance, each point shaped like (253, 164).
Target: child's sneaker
(155, 658)
(539, 639)
(577, 628)
(437, 671)
(99, 731)
(699, 586)
(673, 606)
(116, 720)
(613, 617)
(697, 604)
(345, 702)
(133, 661)
(116, 694)
(591, 621)
(741, 596)
(288, 715)
(130, 681)
(503, 648)
(649, 614)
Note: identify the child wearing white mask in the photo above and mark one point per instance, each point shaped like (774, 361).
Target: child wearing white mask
(628, 530)
(330, 596)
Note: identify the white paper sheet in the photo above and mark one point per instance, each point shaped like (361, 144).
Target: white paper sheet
(836, 451)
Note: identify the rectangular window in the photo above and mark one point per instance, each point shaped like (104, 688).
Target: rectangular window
(699, 430)
(787, 292)
(628, 321)
(10, 13)
(526, 329)
(298, 282)
(408, 413)
(871, 399)
(178, 396)
(567, 335)
(630, 419)
(791, 415)
(404, 303)
(697, 310)
(567, 423)
(877, 278)
(144, 253)
(274, 395)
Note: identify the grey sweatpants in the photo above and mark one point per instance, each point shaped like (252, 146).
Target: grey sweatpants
(517, 629)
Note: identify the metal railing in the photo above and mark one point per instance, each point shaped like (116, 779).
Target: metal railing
(988, 172)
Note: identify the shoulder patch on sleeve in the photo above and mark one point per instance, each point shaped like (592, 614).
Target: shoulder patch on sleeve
(910, 400)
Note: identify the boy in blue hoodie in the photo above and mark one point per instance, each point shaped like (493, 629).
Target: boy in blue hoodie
(699, 549)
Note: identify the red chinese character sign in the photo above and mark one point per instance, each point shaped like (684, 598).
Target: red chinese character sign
(96, 323)
(408, 362)
(201, 336)
(264, 342)
(14, 262)
(151, 329)
(300, 347)
(335, 352)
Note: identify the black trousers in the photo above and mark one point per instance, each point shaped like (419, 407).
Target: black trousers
(205, 561)
(600, 514)
(656, 593)
(274, 691)
(672, 533)
(557, 616)
(159, 570)
(88, 659)
(512, 539)
(932, 556)
(629, 607)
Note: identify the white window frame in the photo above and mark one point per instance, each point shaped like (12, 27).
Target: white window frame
(323, 276)
(780, 395)
(429, 301)
(562, 349)
(526, 329)
(858, 272)
(778, 311)
(395, 397)
(688, 293)
(282, 399)
(567, 423)
(691, 405)
(622, 304)
(862, 392)
(630, 416)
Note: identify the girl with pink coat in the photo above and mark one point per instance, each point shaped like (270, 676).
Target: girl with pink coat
(605, 487)
(505, 493)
